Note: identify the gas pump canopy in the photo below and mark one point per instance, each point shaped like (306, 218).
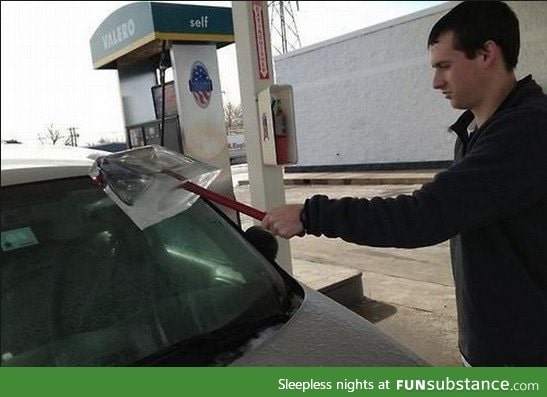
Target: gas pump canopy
(137, 31)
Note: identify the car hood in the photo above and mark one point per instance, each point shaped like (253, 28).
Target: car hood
(324, 333)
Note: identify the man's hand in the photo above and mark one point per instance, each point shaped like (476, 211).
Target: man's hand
(284, 221)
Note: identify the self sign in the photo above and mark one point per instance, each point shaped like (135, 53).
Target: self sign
(199, 23)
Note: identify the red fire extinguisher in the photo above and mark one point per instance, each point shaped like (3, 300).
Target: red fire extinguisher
(280, 132)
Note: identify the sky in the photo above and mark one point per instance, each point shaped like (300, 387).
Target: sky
(47, 73)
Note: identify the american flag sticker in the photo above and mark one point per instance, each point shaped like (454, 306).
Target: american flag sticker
(200, 84)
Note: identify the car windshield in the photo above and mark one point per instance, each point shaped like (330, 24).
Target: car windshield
(82, 285)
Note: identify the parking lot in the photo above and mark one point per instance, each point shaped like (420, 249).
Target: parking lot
(408, 293)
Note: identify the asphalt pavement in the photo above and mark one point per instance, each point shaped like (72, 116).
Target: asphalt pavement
(407, 293)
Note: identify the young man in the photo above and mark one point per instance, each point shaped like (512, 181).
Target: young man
(491, 203)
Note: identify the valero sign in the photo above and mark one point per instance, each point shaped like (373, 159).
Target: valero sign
(133, 27)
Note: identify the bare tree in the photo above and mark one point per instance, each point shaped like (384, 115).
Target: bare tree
(54, 134)
(233, 116)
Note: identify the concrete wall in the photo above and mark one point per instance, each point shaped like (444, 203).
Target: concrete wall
(367, 97)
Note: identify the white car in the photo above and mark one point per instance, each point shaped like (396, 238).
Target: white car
(83, 286)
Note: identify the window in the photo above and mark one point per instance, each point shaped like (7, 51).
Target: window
(82, 285)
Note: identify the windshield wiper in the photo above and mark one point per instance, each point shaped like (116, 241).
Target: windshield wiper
(203, 350)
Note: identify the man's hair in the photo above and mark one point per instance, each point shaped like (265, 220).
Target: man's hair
(476, 22)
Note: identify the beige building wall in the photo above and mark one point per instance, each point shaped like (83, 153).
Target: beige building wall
(366, 97)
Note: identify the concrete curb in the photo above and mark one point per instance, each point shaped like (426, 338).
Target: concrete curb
(352, 181)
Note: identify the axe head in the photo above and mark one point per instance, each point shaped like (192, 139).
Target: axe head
(144, 182)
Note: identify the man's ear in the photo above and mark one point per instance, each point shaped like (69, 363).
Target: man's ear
(490, 53)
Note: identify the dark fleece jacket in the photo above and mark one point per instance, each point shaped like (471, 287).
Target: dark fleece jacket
(492, 204)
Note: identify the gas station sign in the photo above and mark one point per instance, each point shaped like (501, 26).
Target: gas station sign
(139, 25)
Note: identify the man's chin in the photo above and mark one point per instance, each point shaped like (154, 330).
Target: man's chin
(457, 105)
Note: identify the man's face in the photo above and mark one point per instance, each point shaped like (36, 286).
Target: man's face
(458, 77)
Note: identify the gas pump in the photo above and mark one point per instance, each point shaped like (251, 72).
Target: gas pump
(141, 41)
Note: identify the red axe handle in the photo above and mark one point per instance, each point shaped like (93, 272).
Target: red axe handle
(228, 202)
(217, 198)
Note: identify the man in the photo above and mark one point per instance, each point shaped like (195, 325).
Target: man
(491, 203)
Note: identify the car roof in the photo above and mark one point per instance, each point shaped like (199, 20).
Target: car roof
(27, 164)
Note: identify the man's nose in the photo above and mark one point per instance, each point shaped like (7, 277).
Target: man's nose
(438, 81)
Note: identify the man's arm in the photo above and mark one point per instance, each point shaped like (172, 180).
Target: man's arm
(505, 172)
